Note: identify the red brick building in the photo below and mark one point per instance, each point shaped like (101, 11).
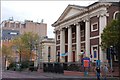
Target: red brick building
(79, 29)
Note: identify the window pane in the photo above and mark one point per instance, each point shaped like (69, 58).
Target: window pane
(95, 52)
(94, 26)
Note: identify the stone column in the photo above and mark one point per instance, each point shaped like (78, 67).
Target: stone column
(55, 32)
(102, 24)
(87, 38)
(62, 44)
(78, 40)
(69, 44)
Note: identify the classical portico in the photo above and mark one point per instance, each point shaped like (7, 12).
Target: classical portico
(79, 30)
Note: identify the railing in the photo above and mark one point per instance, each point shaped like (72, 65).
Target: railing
(53, 67)
(68, 66)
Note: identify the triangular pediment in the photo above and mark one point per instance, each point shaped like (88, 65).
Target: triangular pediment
(70, 11)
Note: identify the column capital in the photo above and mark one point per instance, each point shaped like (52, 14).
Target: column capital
(86, 20)
(102, 15)
(77, 24)
(61, 29)
(69, 27)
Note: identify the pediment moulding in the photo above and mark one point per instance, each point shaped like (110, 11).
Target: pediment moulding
(91, 7)
(72, 22)
(92, 10)
(69, 8)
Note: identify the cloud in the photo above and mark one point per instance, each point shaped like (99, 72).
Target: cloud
(37, 10)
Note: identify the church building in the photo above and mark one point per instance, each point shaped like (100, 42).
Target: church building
(78, 31)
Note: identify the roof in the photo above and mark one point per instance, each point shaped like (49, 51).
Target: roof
(48, 40)
(78, 10)
(77, 7)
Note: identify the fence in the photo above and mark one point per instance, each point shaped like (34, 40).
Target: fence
(53, 67)
(60, 67)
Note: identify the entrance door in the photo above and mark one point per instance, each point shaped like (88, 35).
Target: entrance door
(66, 58)
(58, 56)
(73, 56)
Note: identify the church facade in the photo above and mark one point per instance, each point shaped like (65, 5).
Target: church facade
(78, 31)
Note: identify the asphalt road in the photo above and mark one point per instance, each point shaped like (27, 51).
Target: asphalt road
(13, 75)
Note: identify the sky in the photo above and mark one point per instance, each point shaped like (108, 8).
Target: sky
(49, 11)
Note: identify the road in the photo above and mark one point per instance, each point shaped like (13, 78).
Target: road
(27, 75)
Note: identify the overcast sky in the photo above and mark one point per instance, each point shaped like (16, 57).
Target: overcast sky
(50, 11)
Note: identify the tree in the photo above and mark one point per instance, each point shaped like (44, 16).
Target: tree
(111, 38)
(7, 54)
(110, 35)
(31, 42)
(25, 45)
(19, 46)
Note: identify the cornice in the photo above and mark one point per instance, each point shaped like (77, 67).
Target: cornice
(99, 4)
(86, 10)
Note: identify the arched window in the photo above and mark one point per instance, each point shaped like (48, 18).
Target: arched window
(116, 14)
(49, 49)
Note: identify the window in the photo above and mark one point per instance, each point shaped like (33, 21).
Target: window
(4, 24)
(49, 50)
(82, 47)
(116, 14)
(58, 37)
(23, 25)
(94, 50)
(94, 27)
(82, 33)
(17, 25)
(95, 53)
(58, 56)
(12, 25)
(73, 35)
(73, 47)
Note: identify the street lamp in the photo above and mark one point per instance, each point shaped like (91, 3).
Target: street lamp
(111, 47)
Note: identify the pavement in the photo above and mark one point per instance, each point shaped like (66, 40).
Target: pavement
(39, 75)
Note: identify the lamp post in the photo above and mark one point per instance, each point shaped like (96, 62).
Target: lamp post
(111, 59)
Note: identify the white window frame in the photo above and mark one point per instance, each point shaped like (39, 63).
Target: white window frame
(92, 26)
(115, 14)
(93, 59)
(57, 36)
